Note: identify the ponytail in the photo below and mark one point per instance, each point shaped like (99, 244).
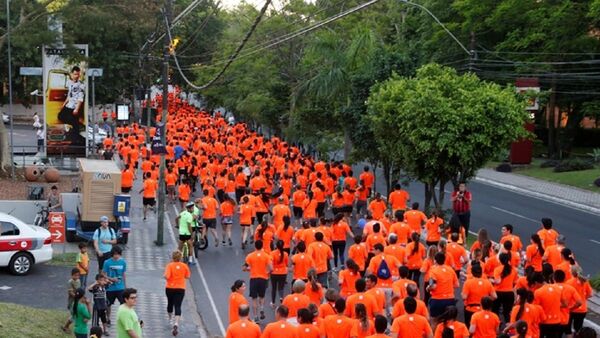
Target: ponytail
(280, 249)
(535, 238)
(415, 238)
(312, 278)
(263, 228)
(505, 261)
(522, 293)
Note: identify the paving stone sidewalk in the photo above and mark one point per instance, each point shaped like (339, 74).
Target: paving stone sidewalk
(560, 193)
(145, 267)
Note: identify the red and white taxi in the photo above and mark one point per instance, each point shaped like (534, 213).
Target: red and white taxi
(22, 245)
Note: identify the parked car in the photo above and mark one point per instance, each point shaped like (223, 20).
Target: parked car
(5, 118)
(100, 135)
(22, 245)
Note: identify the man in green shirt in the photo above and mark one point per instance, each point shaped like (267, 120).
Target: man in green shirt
(128, 324)
(185, 222)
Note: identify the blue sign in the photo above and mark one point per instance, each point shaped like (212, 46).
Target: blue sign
(157, 145)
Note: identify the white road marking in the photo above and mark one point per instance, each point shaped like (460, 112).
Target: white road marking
(204, 283)
(517, 215)
(594, 241)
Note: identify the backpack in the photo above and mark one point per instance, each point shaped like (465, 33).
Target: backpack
(383, 272)
(112, 233)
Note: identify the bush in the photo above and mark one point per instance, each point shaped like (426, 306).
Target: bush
(504, 168)
(550, 164)
(574, 164)
(597, 182)
(595, 282)
(595, 154)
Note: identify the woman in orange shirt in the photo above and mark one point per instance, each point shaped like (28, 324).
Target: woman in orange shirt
(176, 273)
(347, 278)
(505, 277)
(236, 298)
(534, 253)
(285, 233)
(447, 321)
(339, 230)
(415, 253)
(227, 209)
(265, 233)
(280, 261)
(313, 289)
(433, 225)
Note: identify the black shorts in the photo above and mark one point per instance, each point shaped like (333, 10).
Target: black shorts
(347, 209)
(184, 238)
(258, 287)
(112, 295)
(99, 315)
(148, 201)
(125, 189)
(298, 212)
(210, 222)
(245, 225)
(183, 201)
(260, 215)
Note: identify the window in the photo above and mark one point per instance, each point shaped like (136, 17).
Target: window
(8, 229)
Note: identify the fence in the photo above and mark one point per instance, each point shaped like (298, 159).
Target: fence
(65, 159)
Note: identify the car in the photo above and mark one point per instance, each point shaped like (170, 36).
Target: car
(99, 137)
(22, 245)
(5, 118)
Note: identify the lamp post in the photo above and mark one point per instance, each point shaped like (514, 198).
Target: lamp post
(94, 72)
(10, 110)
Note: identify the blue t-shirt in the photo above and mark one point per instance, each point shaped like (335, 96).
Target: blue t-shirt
(101, 234)
(115, 269)
(178, 151)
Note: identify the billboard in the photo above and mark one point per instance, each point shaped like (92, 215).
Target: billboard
(65, 101)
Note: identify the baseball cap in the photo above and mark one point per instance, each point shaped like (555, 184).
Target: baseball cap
(103, 219)
(189, 204)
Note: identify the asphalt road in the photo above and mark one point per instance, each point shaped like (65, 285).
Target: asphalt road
(493, 207)
(24, 138)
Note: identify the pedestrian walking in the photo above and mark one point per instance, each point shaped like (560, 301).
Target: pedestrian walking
(176, 273)
(80, 314)
(115, 269)
(73, 285)
(128, 324)
(83, 263)
(98, 290)
(104, 238)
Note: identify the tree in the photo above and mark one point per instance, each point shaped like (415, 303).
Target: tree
(445, 126)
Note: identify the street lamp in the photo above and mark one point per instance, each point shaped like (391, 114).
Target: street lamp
(10, 111)
(94, 72)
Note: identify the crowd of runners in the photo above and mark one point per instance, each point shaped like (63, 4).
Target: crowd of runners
(340, 259)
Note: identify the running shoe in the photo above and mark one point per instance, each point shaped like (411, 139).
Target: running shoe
(262, 314)
(175, 330)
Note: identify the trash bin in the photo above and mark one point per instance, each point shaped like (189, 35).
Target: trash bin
(121, 206)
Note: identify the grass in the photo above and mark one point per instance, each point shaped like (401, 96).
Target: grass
(64, 259)
(583, 179)
(24, 321)
(595, 282)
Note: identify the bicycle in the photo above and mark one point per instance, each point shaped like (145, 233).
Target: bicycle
(200, 238)
(41, 218)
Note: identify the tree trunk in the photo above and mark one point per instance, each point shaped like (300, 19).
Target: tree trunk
(442, 194)
(4, 148)
(347, 144)
(429, 195)
(552, 139)
(386, 175)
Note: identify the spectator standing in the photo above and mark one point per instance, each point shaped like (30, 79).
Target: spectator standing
(461, 205)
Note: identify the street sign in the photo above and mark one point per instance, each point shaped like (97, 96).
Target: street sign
(157, 146)
(30, 71)
(56, 226)
(95, 72)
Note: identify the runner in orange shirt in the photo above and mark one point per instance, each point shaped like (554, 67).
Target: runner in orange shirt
(236, 300)
(415, 253)
(534, 253)
(246, 215)
(368, 179)
(149, 193)
(448, 321)
(296, 300)
(321, 254)
(306, 327)
(314, 289)
(338, 325)
(347, 278)
(485, 323)
(433, 227)
(415, 218)
(280, 328)
(227, 209)
(298, 198)
(358, 253)
(209, 218)
(377, 207)
(474, 289)
(127, 178)
(398, 198)
(279, 211)
(584, 289)
(361, 297)
(381, 325)
(547, 234)
(363, 326)
(259, 264)
(302, 262)
(400, 228)
(411, 325)
(244, 327)
(184, 192)
(175, 273)
(442, 283)
(279, 274)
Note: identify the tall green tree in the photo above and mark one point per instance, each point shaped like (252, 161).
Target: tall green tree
(445, 126)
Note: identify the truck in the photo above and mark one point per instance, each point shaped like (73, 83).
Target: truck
(99, 194)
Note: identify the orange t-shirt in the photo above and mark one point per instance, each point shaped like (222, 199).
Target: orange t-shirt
(171, 178)
(358, 253)
(258, 263)
(414, 260)
(184, 192)
(549, 297)
(506, 283)
(320, 253)
(279, 211)
(402, 230)
(548, 237)
(176, 274)
(486, 324)
(280, 263)
(127, 179)
(315, 296)
(295, 302)
(227, 209)
(460, 329)
(359, 332)
(445, 279)
(347, 279)
(337, 326)
(534, 258)
(302, 263)
(377, 209)
(398, 309)
(433, 229)
(308, 331)
(411, 326)
(532, 315)
(415, 219)
(361, 298)
(150, 187)
(584, 289)
(475, 289)
(243, 329)
(339, 231)
(285, 236)
(235, 300)
(246, 213)
(398, 199)
(392, 264)
(280, 329)
(326, 309)
(210, 207)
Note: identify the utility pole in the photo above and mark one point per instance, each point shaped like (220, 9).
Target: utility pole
(165, 109)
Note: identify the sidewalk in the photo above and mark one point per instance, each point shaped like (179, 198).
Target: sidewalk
(145, 267)
(555, 192)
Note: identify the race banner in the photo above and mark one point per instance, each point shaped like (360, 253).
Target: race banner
(65, 102)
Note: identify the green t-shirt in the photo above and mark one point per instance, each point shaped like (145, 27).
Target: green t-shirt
(186, 220)
(198, 213)
(127, 320)
(80, 319)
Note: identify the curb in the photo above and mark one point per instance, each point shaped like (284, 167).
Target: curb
(560, 201)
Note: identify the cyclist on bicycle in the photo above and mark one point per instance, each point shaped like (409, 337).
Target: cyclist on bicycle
(185, 222)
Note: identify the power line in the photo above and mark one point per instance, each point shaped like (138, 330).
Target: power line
(231, 58)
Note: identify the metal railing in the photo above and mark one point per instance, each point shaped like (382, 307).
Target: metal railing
(62, 158)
